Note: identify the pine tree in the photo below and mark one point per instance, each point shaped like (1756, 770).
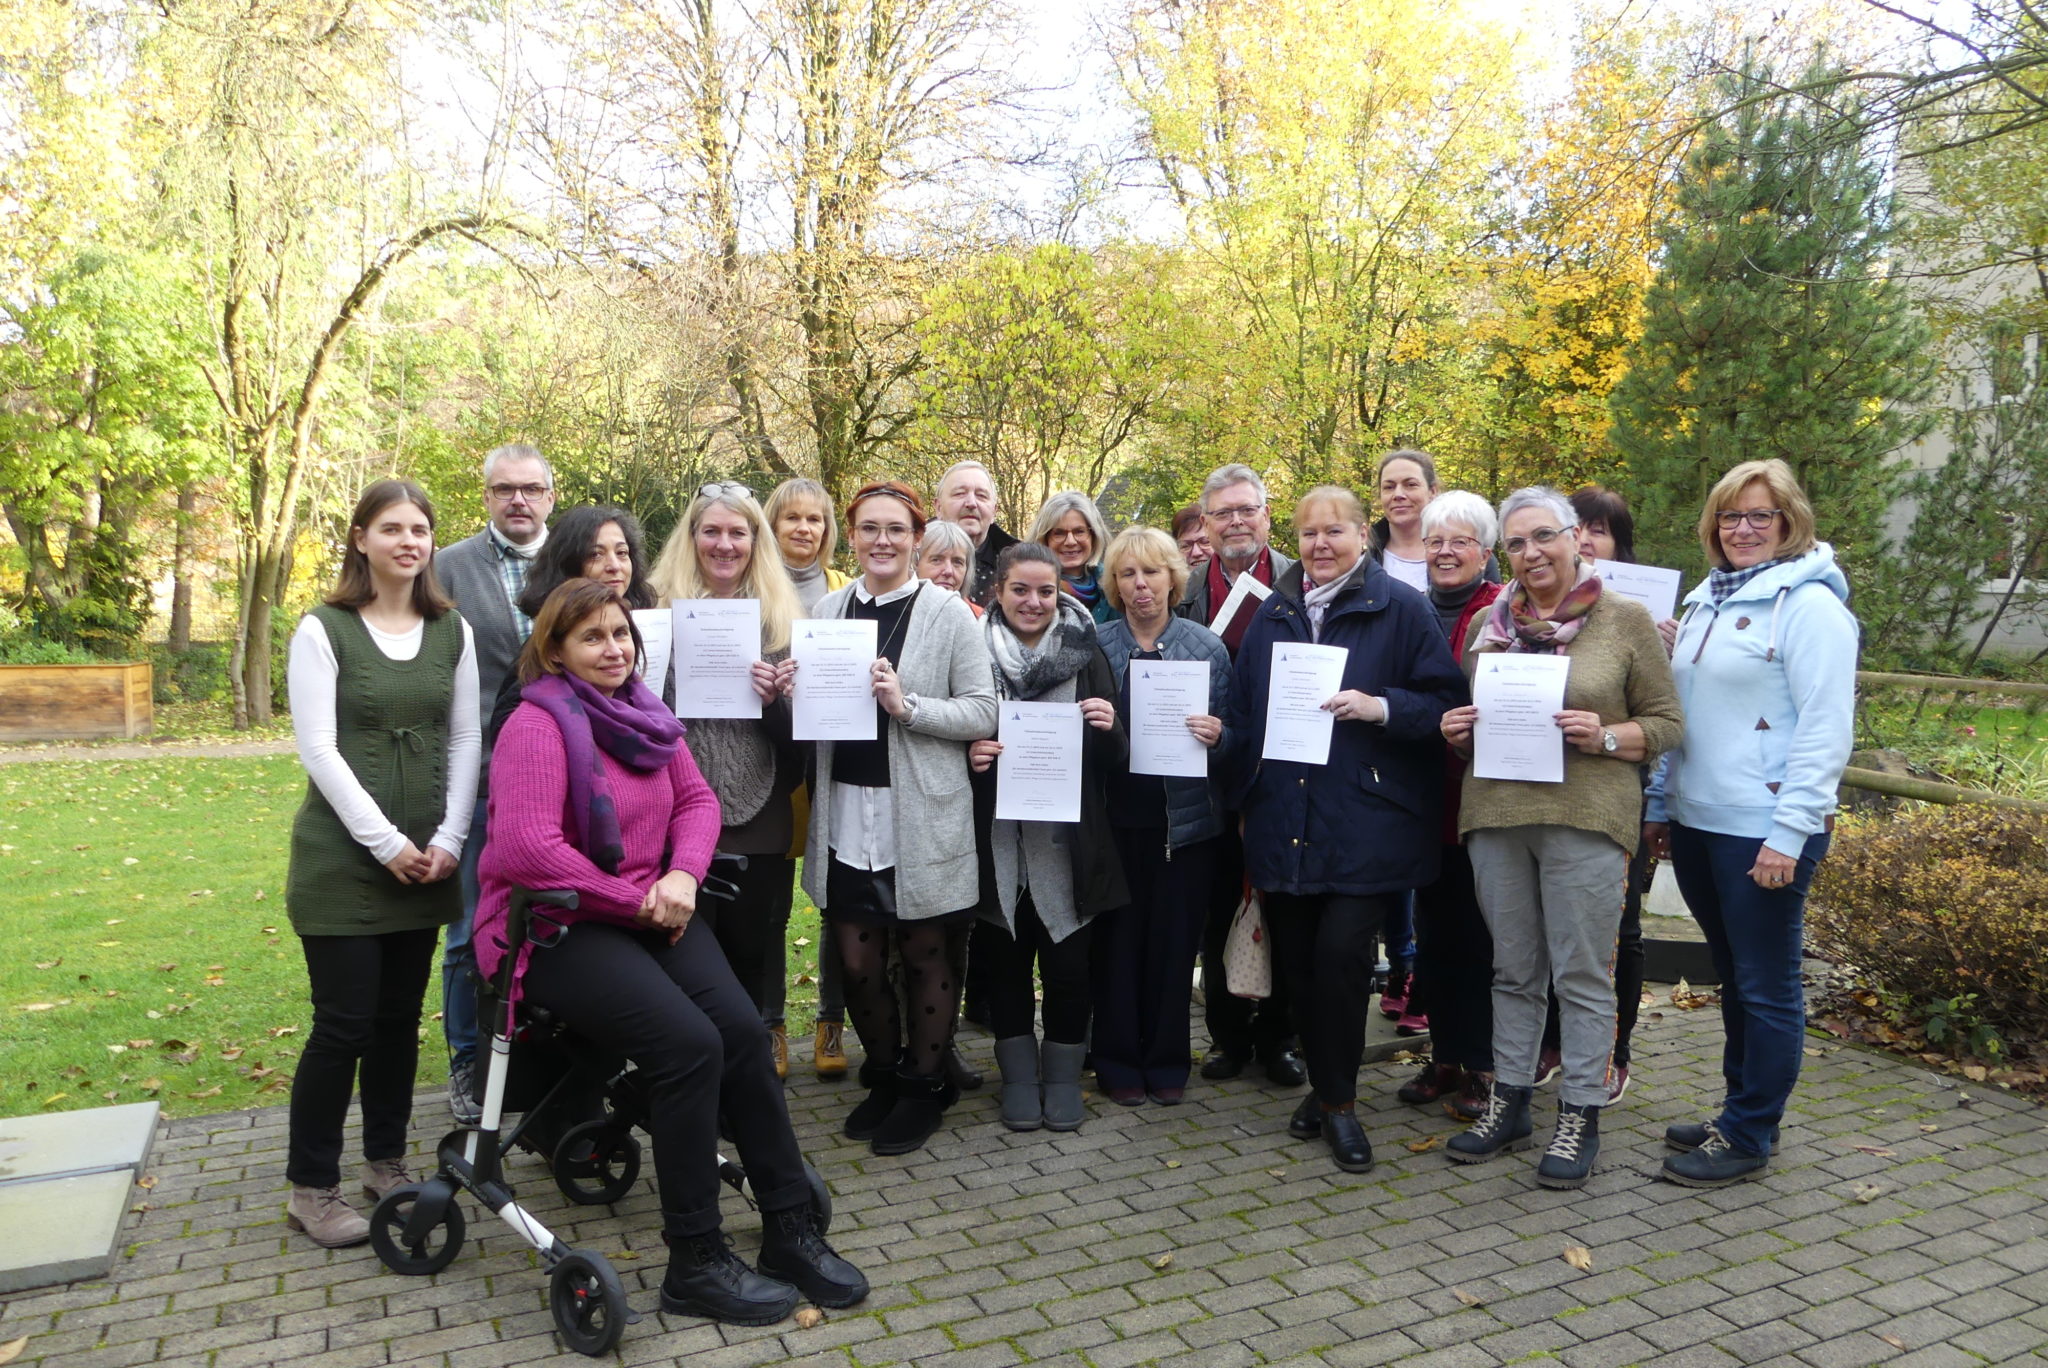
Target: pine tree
(1774, 327)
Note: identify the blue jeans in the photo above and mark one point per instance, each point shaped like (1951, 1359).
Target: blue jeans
(1755, 935)
(458, 958)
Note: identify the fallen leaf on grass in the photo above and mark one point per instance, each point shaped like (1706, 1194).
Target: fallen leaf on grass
(48, 964)
(203, 1093)
(1466, 1297)
(235, 1053)
(131, 860)
(215, 981)
(35, 1007)
(54, 1098)
(1878, 1151)
(1976, 1073)
(1866, 1192)
(1163, 1262)
(150, 1085)
(1579, 1257)
(277, 1031)
(113, 921)
(106, 945)
(117, 1049)
(11, 1350)
(809, 1318)
(1893, 1340)
(1425, 1144)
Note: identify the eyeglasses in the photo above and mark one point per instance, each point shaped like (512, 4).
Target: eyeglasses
(894, 532)
(1759, 518)
(1234, 513)
(1069, 534)
(1541, 537)
(1437, 545)
(506, 493)
(721, 489)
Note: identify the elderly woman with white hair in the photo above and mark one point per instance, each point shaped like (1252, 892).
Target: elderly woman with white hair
(1072, 528)
(1454, 951)
(945, 557)
(1550, 860)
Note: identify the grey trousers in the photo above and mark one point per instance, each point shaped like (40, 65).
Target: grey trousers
(1552, 897)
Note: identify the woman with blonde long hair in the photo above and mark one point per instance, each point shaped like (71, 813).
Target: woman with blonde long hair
(724, 548)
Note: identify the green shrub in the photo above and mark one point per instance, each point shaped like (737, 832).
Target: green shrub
(197, 674)
(1947, 909)
(32, 650)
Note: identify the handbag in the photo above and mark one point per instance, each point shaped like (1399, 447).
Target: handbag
(1247, 954)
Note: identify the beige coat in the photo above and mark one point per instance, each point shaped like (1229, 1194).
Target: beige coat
(945, 664)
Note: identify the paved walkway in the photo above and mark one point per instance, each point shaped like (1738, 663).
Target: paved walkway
(1199, 1235)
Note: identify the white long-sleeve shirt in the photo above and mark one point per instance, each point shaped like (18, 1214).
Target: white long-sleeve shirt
(310, 679)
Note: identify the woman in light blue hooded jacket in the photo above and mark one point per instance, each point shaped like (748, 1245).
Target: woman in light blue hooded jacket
(1766, 667)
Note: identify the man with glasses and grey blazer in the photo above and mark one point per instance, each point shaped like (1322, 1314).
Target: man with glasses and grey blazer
(484, 574)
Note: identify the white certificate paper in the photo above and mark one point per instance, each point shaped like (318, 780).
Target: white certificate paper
(1303, 679)
(1517, 736)
(657, 636)
(1650, 585)
(1164, 695)
(1038, 773)
(835, 696)
(1247, 587)
(717, 643)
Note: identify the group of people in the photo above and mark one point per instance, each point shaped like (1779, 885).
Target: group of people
(456, 755)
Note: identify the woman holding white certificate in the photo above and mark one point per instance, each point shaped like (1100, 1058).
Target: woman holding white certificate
(1043, 882)
(902, 789)
(724, 551)
(1336, 835)
(1550, 856)
(1166, 813)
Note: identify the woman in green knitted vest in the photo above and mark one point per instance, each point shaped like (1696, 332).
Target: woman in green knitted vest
(384, 705)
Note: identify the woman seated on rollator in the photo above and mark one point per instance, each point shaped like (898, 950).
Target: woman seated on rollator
(595, 791)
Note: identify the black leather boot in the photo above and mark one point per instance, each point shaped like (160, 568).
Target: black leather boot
(793, 1251)
(705, 1278)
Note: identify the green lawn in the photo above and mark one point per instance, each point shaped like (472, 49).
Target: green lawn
(151, 957)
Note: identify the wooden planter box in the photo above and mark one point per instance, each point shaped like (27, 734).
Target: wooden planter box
(75, 702)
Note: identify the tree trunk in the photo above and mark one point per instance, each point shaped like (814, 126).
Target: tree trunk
(180, 639)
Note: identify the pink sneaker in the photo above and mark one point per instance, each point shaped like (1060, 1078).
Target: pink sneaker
(1412, 1024)
(1394, 1001)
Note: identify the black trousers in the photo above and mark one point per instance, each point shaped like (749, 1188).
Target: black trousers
(1629, 959)
(1237, 1026)
(1454, 966)
(367, 992)
(1063, 968)
(1325, 946)
(753, 928)
(1145, 961)
(679, 1013)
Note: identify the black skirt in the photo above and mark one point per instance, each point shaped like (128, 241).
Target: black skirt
(868, 897)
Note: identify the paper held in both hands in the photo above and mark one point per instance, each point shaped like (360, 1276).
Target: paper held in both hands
(1519, 697)
(834, 699)
(717, 642)
(1164, 695)
(1038, 773)
(1304, 678)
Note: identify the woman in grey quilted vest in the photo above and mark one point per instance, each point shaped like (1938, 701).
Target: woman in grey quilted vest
(383, 688)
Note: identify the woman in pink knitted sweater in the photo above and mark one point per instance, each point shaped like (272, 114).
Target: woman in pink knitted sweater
(594, 791)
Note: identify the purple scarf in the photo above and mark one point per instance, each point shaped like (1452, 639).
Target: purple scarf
(632, 726)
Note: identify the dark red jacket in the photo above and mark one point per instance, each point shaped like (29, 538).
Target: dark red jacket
(1454, 763)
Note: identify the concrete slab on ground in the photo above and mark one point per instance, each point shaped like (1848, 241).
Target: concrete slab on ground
(61, 1230)
(62, 1144)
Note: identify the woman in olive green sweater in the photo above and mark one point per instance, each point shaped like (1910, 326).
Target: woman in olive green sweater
(384, 705)
(1550, 860)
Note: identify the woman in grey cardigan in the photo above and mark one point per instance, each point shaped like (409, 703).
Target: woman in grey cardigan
(1165, 827)
(905, 792)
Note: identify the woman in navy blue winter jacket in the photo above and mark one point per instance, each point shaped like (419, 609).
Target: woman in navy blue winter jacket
(1330, 846)
(1165, 827)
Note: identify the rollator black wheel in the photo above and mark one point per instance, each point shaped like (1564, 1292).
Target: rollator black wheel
(588, 1303)
(821, 1197)
(596, 1162)
(434, 1252)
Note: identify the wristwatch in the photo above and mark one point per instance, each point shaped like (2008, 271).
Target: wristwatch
(1609, 742)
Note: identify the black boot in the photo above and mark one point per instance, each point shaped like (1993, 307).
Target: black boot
(1307, 1121)
(867, 1116)
(1568, 1163)
(793, 1251)
(1505, 1127)
(921, 1103)
(705, 1278)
